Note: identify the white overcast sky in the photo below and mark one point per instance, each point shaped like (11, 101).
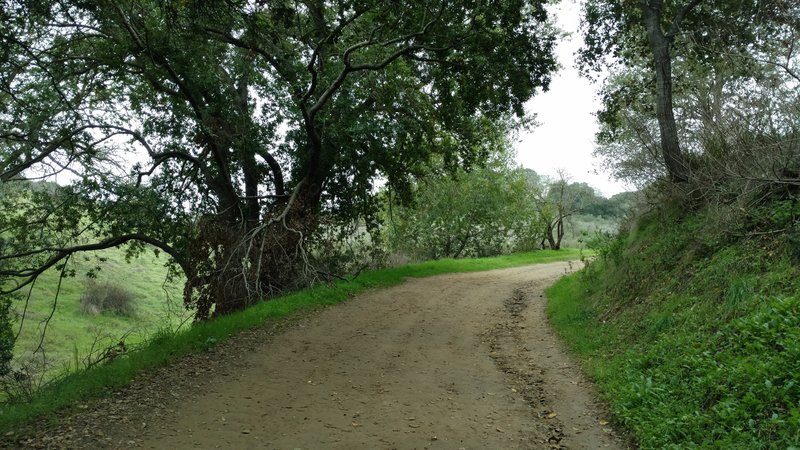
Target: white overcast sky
(565, 137)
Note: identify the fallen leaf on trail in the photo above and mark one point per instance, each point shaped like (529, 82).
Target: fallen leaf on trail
(603, 422)
(551, 415)
(355, 424)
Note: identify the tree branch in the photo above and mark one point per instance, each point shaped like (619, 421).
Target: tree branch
(31, 274)
(679, 17)
(315, 56)
(277, 173)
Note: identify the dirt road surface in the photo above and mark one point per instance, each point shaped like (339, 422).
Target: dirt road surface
(464, 361)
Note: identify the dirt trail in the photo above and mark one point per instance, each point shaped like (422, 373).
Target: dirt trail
(456, 361)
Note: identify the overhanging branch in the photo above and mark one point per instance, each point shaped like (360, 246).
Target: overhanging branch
(30, 275)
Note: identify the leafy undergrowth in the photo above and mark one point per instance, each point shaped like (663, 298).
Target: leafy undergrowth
(166, 346)
(692, 333)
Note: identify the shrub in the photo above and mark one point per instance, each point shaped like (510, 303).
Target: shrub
(607, 245)
(107, 297)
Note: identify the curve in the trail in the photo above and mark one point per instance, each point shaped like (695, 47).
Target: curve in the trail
(454, 361)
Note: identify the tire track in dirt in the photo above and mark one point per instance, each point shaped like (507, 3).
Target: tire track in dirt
(538, 367)
(454, 361)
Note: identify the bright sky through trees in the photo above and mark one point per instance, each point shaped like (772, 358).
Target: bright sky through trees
(565, 137)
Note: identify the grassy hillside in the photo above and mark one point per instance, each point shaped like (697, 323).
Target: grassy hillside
(690, 323)
(71, 335)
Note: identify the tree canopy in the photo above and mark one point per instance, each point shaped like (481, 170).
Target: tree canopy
(219, 131)
(728, 65)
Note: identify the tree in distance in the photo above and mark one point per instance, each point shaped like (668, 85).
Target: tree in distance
(486, 211)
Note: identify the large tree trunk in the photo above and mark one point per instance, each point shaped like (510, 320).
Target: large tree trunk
(548, 233)
(281, 254)
(235, 264)
(659, 45)
(559, 232)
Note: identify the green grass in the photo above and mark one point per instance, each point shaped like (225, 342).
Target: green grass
(693, 339)
(166, 346)
(72, 335)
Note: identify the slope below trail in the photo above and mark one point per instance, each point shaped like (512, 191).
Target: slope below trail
(454, 361)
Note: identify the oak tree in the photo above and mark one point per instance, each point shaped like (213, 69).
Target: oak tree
(218, 132)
